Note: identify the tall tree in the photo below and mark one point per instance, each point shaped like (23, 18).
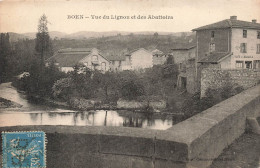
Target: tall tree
(43, 44)
(5, 51)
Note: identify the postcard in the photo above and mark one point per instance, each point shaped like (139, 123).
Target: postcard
(130, 83)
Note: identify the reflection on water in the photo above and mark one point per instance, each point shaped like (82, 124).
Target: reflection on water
(32, 114)
(90, 118)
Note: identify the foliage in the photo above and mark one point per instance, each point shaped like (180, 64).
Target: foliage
(5, 50)
(62, 88)
(40, 80)
(43, 45)
(196, 104)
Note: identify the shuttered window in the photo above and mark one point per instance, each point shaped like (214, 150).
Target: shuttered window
(243, 48)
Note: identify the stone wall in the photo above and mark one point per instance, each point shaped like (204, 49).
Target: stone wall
(221, 40)
(216, 78)
(193, 143)
(132, 104)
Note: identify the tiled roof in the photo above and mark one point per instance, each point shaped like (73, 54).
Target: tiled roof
(230, 23)
(183, 46)
(75, 50)
(157, 52)
(214, 57)
(68, 59)
(116, 54)
(115, 57)
(131, 52)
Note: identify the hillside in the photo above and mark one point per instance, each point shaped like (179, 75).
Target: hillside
(15, 36)
(91, 35)
(116, 45)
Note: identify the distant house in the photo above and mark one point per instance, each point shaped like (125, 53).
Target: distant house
(159, 57)
(182, 52)
(184, 56)
(136, 59)
(139, 59)
(66, 59)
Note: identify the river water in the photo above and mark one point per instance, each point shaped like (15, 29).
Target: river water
(34, 114)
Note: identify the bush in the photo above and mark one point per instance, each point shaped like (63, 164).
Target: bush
(40, 80)
(195, 104)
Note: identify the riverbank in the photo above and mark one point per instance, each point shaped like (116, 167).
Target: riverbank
(4, 103)
(87, 105)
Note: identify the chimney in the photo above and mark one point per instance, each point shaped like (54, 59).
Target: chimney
(233, 17)
(254, 21)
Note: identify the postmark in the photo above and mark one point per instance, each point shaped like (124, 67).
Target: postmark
(23, 149)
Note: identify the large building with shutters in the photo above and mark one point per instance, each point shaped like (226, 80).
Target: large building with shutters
(229, 44)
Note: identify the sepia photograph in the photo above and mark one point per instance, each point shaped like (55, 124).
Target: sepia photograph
(130, 84)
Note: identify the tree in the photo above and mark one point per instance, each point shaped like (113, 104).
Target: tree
(155, 34)
(43, 44)
(170, 69)
(5, 50)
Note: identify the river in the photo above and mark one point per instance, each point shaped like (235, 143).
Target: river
(35, 114)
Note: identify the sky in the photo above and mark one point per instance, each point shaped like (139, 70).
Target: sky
(22, 16)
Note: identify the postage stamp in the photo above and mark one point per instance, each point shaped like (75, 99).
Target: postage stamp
(23, 149)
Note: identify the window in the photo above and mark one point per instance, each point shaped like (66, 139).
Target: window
(180, 66)
(256, 64)
(248, 64)
(244, 33)
(94, 58)
(243, 47)
(239, 64)
(258, 34)
(103, 66)
(211, 47)
(258, 48)
(212, 34)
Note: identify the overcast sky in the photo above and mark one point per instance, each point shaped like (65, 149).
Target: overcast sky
(22, 17)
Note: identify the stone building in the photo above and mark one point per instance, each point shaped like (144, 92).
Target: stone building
(184, 56)
(228, 44)
(66, 59)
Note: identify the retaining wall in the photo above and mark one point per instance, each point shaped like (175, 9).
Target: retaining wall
(216, 78)
(194, 142)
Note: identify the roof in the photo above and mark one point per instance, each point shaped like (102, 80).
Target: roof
(214, 57)
(157, 52)
(183, 46)
(75, 50)
(70, 57)
(131, 52)
(230, 23)
(114, 57)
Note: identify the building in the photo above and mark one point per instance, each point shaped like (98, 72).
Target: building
(136, 59)
(159, 57)
(184, 56)
(229, 44)
(66, 59)
(139, 59)
(182, 52)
